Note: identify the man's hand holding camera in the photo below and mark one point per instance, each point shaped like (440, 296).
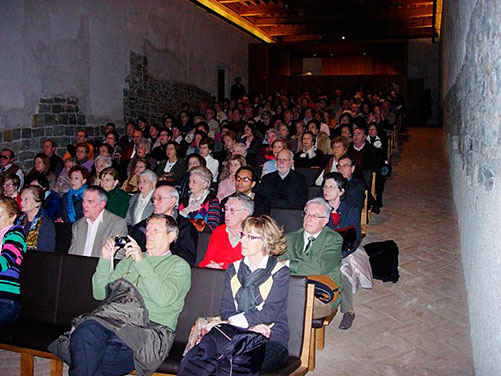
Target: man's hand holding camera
(128, 243)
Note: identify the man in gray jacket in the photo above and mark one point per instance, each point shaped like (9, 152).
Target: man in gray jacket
(90, 232)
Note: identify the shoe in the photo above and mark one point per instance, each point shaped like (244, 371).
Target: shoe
(347, 321)
(375, 209)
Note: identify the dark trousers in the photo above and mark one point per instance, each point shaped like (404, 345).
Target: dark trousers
(97, 351)
(9, 310)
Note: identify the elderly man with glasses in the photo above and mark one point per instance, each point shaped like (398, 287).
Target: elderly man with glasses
(224, 245)
(165, 200)
(315, 249)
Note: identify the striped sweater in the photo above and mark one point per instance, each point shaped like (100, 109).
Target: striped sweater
(13, 251)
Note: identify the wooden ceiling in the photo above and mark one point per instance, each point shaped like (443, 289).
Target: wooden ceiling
(284, 21)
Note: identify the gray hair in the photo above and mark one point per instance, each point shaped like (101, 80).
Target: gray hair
(245, 200)
(291, 154)
(320, 201)
(172, 193)
(101, 193)
(242, 145)
(107, 160)
(204, 173)
(170, 223)
(272, 130)
(144, 144)
(150, 175)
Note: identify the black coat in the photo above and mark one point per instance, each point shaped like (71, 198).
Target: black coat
(262, 206)
(288, 193)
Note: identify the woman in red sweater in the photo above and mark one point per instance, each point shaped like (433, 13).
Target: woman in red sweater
(224, 244)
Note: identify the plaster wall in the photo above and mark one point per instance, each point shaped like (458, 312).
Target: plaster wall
(75, 48)
(471, 70)
(424, 63)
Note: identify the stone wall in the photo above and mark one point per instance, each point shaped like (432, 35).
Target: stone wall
(471, 74)
(150, 97)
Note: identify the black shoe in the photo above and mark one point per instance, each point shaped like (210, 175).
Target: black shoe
(347, 321)
(375, 209)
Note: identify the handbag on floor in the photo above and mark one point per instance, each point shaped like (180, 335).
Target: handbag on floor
(383, 257)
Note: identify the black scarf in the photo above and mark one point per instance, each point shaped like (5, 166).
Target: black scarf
(248, 294)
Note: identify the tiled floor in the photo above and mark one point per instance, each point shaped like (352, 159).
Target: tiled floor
(418, 326)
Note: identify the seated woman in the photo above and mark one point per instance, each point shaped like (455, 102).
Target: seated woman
(245, 306)
(71, 203)
(342, 216)
(82, 151)
(131, 184)
(63, 180)
(310, 156)
(201, 207)
(271, 166)
(11, 256)
(321, 138)
(264, 152)
(227, 186)
(172, 167)
(251, 142)
(140, 205)
(10, 188)
(100, 163)
(118, 200)
(339, 148)
(192, 161)
(38, 226)
(51, 200)
(224, 244)
(41, 165)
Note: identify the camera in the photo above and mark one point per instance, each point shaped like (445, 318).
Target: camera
(121, 241)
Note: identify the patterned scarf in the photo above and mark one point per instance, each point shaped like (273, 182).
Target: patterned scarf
(70, 209)
(33, 231)
(194, 204)
(309, 153)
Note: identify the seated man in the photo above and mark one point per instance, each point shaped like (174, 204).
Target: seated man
(90, 232)
(285, 188)
(117, 337)
(7, 167)
(355, 191)
(165, 200)
(224, 244)
(316, 250)
(245, 181)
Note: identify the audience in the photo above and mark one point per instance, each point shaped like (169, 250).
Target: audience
(71, 203)
(285, 188)
(355, 190)
(63, 183)
(90, 232)
(226, 187)
(245, 306)
(100, 163)
(224, 245)
(310, 156)
(7, 167)
(131, 184)
(51, 200)
(201, 207)
(140, 205)
(165, 200)
(173, 167)
(162, 280)
(315, 249)
(339, 148)
(41, 165)
(206, 147)
(271, 165)
(11, 258)
(10, 187)
(82, 152)
(56, 163)
(118, 200)
(38, 227)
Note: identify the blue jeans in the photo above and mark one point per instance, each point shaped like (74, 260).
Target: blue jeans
(97, 351)
(9, 310)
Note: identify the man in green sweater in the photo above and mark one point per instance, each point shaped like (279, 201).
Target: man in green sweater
(316, 250)
(162, 279)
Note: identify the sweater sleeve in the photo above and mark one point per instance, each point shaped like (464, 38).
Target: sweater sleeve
(214, 214)
(211, 254)
(13, 248)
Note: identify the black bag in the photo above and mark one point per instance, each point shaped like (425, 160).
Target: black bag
(383, 257)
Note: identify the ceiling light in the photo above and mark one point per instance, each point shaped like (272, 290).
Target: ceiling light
(343, 37)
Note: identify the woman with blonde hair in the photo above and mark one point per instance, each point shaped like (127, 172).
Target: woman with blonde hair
(255, 300)
(227, 186)
(41, 165)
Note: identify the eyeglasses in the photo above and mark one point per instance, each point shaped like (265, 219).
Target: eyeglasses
(159, 199)
(231, 210)
(339, 165)
(243, 178)
(283, 160)
(250, 236)
(315, 216)
(4, 157)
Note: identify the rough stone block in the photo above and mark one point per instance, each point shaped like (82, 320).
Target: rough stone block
(46, 100)
(16, 134)
(48, 131)
(81, 119)
(50, 119)
(57, 108)
(72, 100)
(59, 100)
(26, 133)
(69, 130)
(26, 144)
(62, 119)
(43, 108)
(69, 108)
(65, 140)
(26, 154)
(72, 119)
(59, 130)
(37, 120)
(7, 135)
(39, 132)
